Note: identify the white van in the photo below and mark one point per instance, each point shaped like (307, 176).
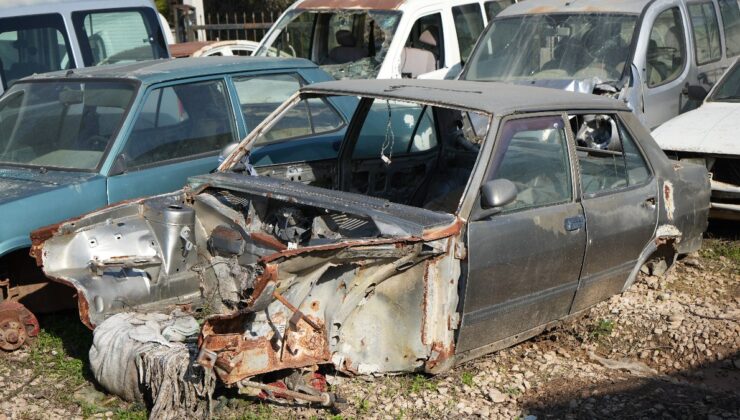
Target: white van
(653, 54)
(38, 36)
(381, 38)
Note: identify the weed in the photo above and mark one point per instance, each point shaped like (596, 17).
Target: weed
(467, 378)
(512, 390)
(136, 412)
(715, 248)
(363, 406)
(422, 383)
(602, 329)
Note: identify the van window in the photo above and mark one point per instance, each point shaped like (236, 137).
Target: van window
(706, 32)
(115, 36)
(495, 7)
(468, 26)
(730, 12)
(33, 44)
(666, 54)
(424, 48)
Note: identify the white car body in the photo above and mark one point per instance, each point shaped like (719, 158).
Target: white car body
(709, 135)
(411, 11)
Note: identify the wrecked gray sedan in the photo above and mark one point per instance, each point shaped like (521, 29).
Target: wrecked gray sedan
(454, 219)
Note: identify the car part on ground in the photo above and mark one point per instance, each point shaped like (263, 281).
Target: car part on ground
(18, 326)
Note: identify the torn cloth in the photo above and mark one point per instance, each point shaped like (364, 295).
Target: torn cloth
(133, 357)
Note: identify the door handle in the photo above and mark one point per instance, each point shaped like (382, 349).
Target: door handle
(574, 223)
(649, 203)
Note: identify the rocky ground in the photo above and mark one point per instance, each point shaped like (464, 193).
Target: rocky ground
(667, 348)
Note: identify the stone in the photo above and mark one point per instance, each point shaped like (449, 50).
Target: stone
(496, 396)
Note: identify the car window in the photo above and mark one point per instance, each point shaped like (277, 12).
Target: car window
(730, 12)
(424, 48)
(666, 53)
(33, 44)
(607, 154)
(706, 32)
(308, 117)
(535, 159)
(180, 121)
(495, 7)
(468, 26)
(394, 128)
(108, 37)
(64, 124)
(262, 94)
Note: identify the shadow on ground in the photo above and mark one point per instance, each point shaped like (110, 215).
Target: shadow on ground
(703, 392)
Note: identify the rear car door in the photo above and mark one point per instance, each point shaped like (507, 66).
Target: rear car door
(524, 262)
(177, 133)
(620, 196)
(666, 63)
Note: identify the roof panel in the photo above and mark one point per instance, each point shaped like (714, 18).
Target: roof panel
(575, 6)
(154, 71)
(489, 97)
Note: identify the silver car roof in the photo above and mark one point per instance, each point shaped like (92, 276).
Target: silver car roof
(531, 7)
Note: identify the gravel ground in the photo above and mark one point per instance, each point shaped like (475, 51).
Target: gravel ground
(667, 348)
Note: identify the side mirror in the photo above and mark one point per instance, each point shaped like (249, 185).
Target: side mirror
(226, 151)
(696, 92)
(120, 165)
(495, 194)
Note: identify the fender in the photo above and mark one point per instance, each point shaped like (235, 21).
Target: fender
(664, 235)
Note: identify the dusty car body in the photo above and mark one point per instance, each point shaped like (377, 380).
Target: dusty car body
(387, 39)
(709, 136)
(454, 222)
(643, 52)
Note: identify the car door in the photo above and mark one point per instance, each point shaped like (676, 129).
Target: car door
(426, 51)
(524, 262)
(707, 43)
(620, 197)
(177, 133)
(665, 54)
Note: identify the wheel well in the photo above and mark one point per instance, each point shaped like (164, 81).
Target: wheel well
(661, 260)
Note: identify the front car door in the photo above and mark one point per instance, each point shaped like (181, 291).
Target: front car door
(177, 133)
(524, 262)
(620, 197)
(707, 44)
(664, 52)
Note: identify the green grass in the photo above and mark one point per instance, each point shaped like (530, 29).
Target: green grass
(603, 328)
(422, 383)
(716, 248)
(467, 378)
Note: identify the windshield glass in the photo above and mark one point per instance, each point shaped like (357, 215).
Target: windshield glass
(110, 36)
(729, 88)
(345, 43)
(33, 44)
(559, 46)
(61, 124)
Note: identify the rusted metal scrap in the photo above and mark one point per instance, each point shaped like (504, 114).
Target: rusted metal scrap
(17, 325)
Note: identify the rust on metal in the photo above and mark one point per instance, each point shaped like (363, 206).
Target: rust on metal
(267, 240)
(239, 357)
(297, 312)
(17, 325)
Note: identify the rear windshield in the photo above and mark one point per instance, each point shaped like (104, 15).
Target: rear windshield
(61, 124)
(33, 44)
(119, 36)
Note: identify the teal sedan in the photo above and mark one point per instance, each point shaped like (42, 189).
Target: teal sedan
(75, 141)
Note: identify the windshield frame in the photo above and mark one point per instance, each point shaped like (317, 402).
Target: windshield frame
(712, 97)
(268, 44)
(136, 84)
(626, 70)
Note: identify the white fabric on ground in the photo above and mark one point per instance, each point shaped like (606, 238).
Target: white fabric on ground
(134, 356)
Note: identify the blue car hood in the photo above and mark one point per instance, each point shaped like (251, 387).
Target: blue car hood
(20, 183)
